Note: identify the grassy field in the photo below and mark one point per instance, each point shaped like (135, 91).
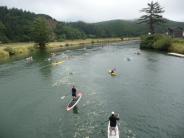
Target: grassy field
(177, 46)
(10, 50)
(16, 49)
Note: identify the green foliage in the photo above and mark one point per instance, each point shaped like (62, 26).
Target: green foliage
(17, 23)
(40, 32)
(162, 43)
(67, 32)
(73, 33)
(157, 42)
(3, 37)
(113, 28)
(147, 42)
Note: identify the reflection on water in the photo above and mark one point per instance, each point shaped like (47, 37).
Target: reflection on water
(75, 110)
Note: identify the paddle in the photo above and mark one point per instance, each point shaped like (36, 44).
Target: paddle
(63, 97)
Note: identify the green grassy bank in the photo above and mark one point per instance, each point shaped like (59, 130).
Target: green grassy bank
(177, 46)
(162, 43)
(11, 50)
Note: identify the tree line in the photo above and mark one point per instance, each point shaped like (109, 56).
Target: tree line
(17, 25)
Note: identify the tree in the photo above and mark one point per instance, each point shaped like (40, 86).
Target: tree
(64, 31)
(40, 32)
(3, 37)
(153, 15)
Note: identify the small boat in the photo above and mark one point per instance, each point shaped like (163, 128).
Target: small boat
(73, 102)
(112, 74)
(176, 54)
(112, 135)
(57, 63)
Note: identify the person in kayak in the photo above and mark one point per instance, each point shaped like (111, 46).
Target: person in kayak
(74, 91)
(113, 70)
(113, 122)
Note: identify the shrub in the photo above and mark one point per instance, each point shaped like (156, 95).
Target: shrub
(162, 43)
(157, 41)
(147, 42)
(66, 44)
(10, 50)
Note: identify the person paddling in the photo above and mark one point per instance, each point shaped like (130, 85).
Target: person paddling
(74, 91)
(113, 71)
(113, 122)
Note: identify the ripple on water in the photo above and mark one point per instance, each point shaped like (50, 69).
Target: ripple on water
(63, 81)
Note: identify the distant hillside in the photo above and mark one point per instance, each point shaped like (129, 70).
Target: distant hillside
(122, 27)
(16, 26)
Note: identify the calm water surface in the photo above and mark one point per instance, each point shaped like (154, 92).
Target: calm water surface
(148, 94)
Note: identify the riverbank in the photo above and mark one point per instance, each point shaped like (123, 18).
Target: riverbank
(18, 50)
(177, 46)
(163, 43)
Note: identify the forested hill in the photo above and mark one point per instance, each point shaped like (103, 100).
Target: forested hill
(16, 26)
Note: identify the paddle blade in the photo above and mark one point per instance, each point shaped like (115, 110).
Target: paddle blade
(63, 97)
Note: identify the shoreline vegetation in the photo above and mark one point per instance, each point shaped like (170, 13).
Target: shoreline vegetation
(22, 50)
(164, 43)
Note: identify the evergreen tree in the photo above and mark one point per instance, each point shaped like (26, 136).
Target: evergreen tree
(153, 15)
(3, 37)
(40, 32)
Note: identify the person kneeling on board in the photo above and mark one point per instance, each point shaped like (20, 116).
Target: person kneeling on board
(74, 91)
(113, 122)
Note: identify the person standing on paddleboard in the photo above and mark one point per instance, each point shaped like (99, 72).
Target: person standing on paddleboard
(74, 92)
(113, 122)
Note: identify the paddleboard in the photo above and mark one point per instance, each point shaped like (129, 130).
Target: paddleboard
(56, 63)
(73, 103)
(112, 132)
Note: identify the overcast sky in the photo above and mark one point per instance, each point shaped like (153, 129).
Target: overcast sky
(95, 10)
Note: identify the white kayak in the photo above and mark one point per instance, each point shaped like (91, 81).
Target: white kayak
(113, 132)
(176, 54)
(57, 63)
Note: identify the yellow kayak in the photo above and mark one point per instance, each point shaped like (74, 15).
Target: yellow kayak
(59, 62)
(113, 74)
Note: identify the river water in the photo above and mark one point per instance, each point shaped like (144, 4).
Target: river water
(148, 94)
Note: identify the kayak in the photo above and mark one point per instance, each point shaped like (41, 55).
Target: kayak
(56, 63)
(113, 74)
(73, 103)
(112, 132)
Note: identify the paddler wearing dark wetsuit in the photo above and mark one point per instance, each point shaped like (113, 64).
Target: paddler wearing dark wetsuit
(113, 71)
(113, 122)
(74, 91)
